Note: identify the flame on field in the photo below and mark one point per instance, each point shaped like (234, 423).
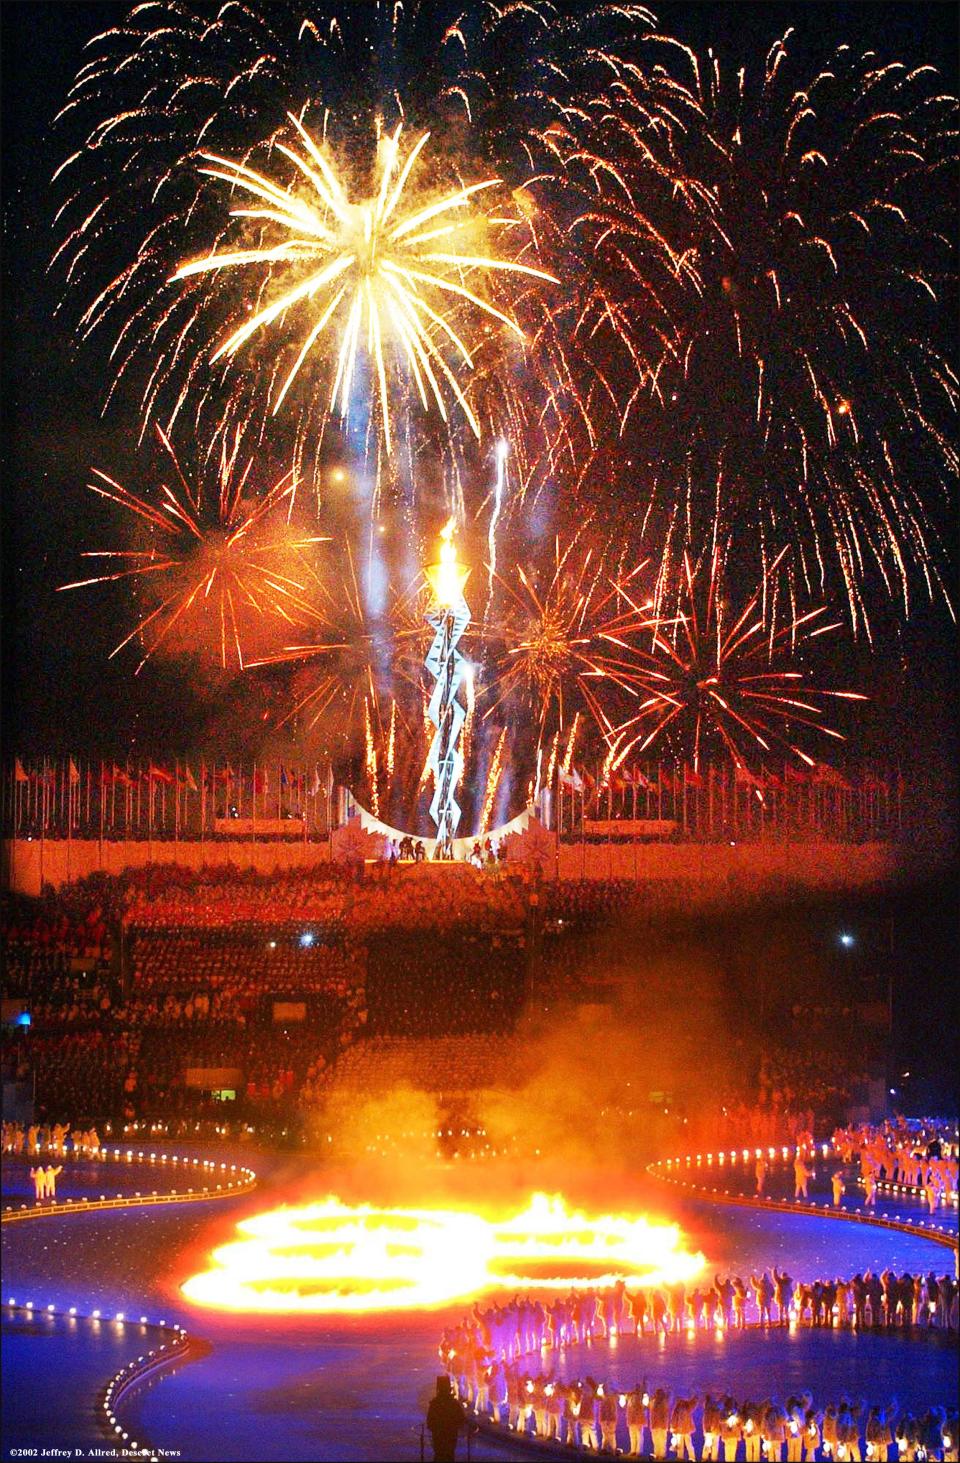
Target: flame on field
(331, 1257)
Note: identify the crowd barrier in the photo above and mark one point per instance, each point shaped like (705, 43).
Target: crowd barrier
(244, 1181)
(171, 1349)
(669, 1170)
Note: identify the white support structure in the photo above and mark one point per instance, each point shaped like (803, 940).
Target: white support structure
(447, 712)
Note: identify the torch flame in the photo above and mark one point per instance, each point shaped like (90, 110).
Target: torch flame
(447, 578)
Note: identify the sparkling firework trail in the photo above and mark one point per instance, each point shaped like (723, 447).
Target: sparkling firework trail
(360, 658)
(567, 763)
(721, 676)
(493, 782)
(371, 759)
(502, 451)
(234, 563)
(392, 739)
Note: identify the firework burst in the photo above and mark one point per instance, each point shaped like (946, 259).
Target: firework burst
(172, 85)
(383, 270)
(808, 262)
(219, 563)
(354, 664)
(570, 646)
(720, 678)
(345, 664)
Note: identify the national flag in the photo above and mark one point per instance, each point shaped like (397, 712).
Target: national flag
(187, 779)
(692, 779)
(873, 783)
(795, 775)
(328, 785)
(743, 775)
(261, 782)
(226, 774)
(771, 780)
(119, 775)
(667, 782)
(159, 774)
(18, 772)
(829, 777)
(74, 773)
(571, 779)
(284, 780)
(315, 784)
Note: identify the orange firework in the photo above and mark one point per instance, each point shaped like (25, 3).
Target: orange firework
(574, 641)
(722, 674)
(235, 562)
(348, 657)
(355, 660)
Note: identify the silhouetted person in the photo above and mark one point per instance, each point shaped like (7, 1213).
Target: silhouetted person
(446, 1419)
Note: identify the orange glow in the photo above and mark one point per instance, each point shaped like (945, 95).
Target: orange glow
(331, 1257)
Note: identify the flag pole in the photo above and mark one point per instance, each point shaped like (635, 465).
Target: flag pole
(636, 855)
(69, 814)
(43, 820)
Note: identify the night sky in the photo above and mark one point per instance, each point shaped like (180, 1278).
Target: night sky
(60, 692)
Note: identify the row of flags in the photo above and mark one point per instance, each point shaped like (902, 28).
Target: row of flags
(662, 779)
(311, 784)
(112, 775)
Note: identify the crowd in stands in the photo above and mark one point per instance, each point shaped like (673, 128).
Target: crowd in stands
(374, 897)
(226, 973)
(216, 963)
(231, 983)
(796, 1090)
(446, 1065)
(450, 983)
(60, 930)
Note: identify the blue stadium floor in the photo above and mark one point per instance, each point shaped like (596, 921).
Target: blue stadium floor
(355, 1388)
